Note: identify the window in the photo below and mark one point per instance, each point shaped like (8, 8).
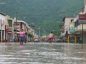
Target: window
(10, 22)
(76, 23)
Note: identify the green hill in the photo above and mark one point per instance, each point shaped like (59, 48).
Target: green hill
(46, 14)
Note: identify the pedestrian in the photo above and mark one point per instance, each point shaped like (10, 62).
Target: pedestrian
(21, 36)
(25, 39)
(51, 37)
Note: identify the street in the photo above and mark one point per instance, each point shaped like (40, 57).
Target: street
(42, 53)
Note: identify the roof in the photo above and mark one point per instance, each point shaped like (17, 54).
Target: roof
(23, 22)
(3, 14)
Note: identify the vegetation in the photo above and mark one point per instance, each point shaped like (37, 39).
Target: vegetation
(46, 14)
(10, 22)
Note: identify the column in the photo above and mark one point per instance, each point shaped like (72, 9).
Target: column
(4, 35)
(68, 38)
(75, 38)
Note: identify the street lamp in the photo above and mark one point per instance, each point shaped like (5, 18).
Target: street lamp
(39, 31)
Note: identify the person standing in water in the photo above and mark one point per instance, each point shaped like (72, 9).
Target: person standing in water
(22, 35)
(51, 37)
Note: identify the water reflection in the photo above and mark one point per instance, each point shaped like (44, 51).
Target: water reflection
(42, 53)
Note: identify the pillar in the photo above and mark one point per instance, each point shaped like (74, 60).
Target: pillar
(68, 39)
(75, 37)
(4, 35)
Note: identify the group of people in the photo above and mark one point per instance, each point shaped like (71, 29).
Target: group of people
(22, 37)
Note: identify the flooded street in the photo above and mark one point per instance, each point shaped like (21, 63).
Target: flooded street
(42, 53)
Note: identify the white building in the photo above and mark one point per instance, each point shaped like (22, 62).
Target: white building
(69, 28)
(66, 27)
(20, 24)
(3, 24)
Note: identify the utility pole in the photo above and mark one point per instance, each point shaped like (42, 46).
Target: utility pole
(1, 32)
(13, 27)
(82, 32)
(39, 31)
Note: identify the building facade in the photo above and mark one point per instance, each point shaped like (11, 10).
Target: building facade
(9, 27)
(3, 26)
(19, 24)
(75, 28)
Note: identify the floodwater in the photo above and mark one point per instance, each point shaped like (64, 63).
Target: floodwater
(42, 53)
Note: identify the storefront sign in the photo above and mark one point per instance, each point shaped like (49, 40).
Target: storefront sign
(82, 19)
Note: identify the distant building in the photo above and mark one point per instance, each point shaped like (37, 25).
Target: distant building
(19, 24)
(76, 28)
(66, 27)
(69, 28)
(9, 26)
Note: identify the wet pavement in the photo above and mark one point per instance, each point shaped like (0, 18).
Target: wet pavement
(42, 53)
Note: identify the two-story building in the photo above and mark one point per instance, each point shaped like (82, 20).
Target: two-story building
(75, 28)
(8, 27)
(69, 29)
(19, 24)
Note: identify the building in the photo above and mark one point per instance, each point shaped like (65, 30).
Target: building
(9, 26)
(75, 28)
(81, 25)
(68, 29)
(19, 24)
(3, 26)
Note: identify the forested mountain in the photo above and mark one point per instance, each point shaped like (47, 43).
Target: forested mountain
(46, 14)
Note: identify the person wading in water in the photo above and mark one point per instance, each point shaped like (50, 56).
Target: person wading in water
(51, 37)
(21, 36)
